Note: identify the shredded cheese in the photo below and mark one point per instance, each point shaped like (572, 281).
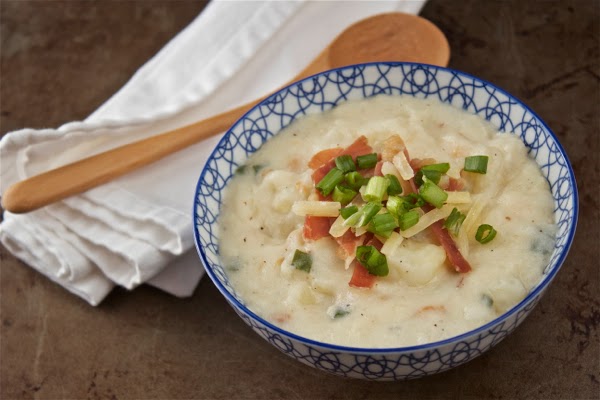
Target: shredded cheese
(389, 168)
(469, 223)
(317, 208)
(361, 230)
(428, 219)
(338, 228)
(495, 182)
(391, 244)
(401, 163)
(458, 197)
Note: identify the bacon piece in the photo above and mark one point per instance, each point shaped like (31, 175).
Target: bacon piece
(455, 185)
(358, 148)
(454, 255)
(361, 277)
(348, 243)
(418, 163)
(316, 228)
(373, 241)
(377, 171)
(323, 157)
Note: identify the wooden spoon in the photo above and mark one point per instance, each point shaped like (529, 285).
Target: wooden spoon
(384, 37)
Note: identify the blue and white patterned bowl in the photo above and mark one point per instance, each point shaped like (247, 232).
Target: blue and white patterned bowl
(326, 90)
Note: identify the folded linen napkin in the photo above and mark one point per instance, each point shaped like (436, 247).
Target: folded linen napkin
(137, 229)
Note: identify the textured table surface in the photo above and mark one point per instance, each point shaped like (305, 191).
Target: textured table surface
(61, 59)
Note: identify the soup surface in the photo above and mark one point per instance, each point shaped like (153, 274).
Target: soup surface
(293, 259)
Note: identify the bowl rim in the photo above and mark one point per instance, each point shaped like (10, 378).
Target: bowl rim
(531, 296)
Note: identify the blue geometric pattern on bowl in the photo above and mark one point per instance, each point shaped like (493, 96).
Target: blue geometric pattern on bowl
(323, 92)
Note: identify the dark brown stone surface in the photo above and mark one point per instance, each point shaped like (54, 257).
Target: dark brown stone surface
(61, 59)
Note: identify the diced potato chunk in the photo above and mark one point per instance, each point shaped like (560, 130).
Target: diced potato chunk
(506, 292)
(417, 263)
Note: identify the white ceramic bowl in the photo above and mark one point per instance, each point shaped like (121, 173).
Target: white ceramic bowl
(326, 90)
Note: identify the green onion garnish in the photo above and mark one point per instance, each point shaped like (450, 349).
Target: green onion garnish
(476, 164)
(376, 189)
(302, 261)
(366, 161)
(408, 219)
(348, 211)
(363, 216)
(454, 221)
(433, 194)
(394, 185)
(433, 172)
(433, 176)
(343, 194)
(329, 181)
(485, 233)
(397, 205)
(383, 224)
(340, 313)
(487, 300)
(441, 167)
(345, 163)
(372, 260)
(354, 180)
(415, 200)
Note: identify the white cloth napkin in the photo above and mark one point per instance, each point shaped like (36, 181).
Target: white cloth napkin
(138, 229)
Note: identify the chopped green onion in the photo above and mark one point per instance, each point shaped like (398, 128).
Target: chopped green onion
(376, 189)
(433, 194)
(476, 164)
(363, 216)
(394, 185)
(383, 224)
(366, 161)
(343, 194)
(433, 172)
(329, 181)
(454, 221)
(433, 176)
(302, 261)
(354, 180)
(345, 163)
(340, 313)
(487, 300)
(441, 167)
(485, 233)
(408, 219)
(348, 211)
(415, 200)
(397, 205)
(372, 260)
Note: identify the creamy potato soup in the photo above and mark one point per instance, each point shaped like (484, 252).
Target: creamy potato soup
(386, 222)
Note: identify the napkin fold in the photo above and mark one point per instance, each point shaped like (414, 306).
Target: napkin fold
(138, 228)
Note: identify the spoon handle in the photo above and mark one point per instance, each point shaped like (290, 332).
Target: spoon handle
(85, 174)
(71, 179)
